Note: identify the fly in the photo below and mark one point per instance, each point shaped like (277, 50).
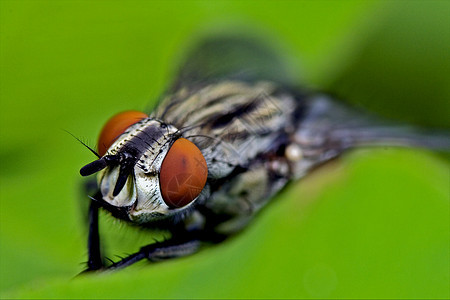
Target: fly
(228, 136)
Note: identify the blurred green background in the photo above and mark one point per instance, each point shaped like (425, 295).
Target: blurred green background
(373, 224)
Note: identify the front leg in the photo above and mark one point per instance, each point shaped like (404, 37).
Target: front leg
(94, 256)
(158, 251)
(182, 243)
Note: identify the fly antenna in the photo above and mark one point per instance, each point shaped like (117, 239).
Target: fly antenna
(84, 144)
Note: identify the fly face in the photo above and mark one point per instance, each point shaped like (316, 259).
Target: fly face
(149, 172)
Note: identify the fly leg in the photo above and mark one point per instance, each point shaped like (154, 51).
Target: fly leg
(189, 243)
(94, 256)
(182, 243)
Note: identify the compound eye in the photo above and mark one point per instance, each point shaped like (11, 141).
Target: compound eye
(115, 127)
(183, 174)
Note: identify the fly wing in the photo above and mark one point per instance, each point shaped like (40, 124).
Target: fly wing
(224, 58)
(232, 57)
(329, 127)
(339, 123)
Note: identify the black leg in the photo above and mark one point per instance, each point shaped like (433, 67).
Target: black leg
(182, 243)
(94, 259)
(171, 248)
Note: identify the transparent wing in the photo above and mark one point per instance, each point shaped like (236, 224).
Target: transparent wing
(232, 57)
(339, 123)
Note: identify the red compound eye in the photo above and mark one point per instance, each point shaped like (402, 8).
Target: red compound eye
(183, 174)
(115, 127)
